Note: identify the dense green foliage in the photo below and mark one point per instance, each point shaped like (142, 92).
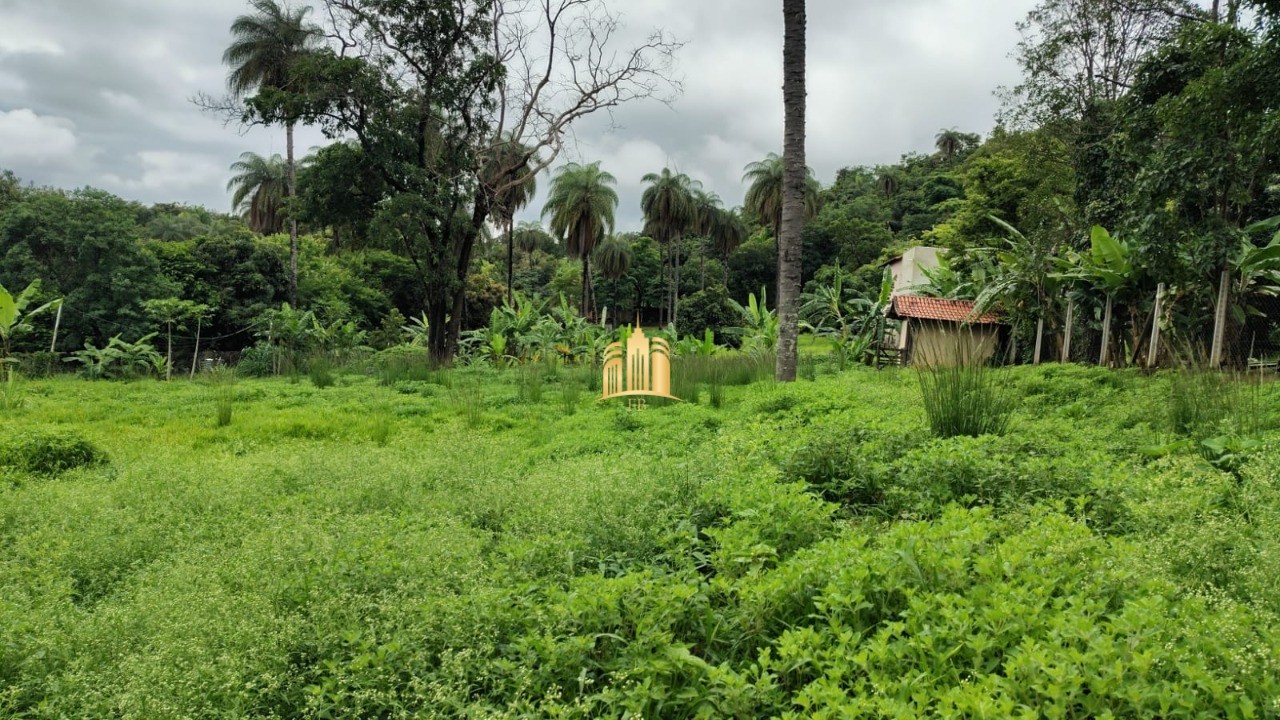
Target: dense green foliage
(444, 544)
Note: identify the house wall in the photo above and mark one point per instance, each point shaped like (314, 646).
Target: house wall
(908, 269)
(937, 343)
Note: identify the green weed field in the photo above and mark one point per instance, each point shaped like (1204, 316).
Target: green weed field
(479, 544)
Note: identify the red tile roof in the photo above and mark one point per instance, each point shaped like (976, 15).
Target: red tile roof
(929, 308)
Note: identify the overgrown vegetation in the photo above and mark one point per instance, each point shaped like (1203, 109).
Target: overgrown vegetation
(789, 551)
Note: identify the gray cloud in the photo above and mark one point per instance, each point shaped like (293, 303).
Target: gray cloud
(97, 93)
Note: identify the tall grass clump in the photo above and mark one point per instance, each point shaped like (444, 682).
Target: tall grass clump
(380, 430)
(529, 381)
(223, 380)
(11, 397)
(968, 398)
(1204, 402)
(570, 395)
(320, 370)
(406, 364)
(732, 369)
(468, 402)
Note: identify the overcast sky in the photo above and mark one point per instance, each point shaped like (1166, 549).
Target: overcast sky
(97, 92)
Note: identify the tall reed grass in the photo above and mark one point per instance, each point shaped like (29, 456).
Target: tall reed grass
(968, 398)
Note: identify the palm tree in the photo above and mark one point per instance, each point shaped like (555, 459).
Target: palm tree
(510, 170)
(613, 257)
(262, 54)
(527, 237)
(888, 183)
(581, 208)
(796, 183)
(728, 231)
(949, 143)
(669, 212)
(764, 193)
(258, 191)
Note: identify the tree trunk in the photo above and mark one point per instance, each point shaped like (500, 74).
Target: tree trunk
(586, 286)
(511, 255)
(290, 190)
(444, 311)
(669, 275)
(168, 363)
(793, 187)
(675, 288)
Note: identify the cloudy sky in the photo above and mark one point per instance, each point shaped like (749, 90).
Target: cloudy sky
(98, 92)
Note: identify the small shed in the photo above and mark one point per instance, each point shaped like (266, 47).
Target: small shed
(936, 331)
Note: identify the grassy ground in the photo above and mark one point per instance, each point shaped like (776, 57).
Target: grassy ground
(468, 547)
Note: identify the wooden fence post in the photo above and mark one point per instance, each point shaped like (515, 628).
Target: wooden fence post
(1066, 333)
(1154, 351)
(1220, 320)
(1106, 334)
(57, 322)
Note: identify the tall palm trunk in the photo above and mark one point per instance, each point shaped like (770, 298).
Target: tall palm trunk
(793, 187)
(290, 190)
(666, 281)
(586, 287)
(675, 287)
(511, 255)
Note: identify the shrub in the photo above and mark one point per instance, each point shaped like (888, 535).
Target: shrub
(40, 364)
(406, 363)
(708, 309)
(967, 398)
(834, 466)
(48, 453)
(257, 361)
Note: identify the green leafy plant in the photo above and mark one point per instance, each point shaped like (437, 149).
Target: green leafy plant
(759, 329)
(48, 453)
(118, 359)
(15, 319)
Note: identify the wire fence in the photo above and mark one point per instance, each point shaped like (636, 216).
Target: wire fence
(1238, 330)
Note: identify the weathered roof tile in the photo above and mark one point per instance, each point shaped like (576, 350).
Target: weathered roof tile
(929, 308)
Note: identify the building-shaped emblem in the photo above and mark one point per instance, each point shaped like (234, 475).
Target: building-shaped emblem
(639, 368)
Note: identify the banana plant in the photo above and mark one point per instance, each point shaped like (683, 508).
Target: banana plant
(15, 319)
(417, 331)
(759, 330)
(1257, 268)
(119, 358)
(1107, 268)
(692, 345)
